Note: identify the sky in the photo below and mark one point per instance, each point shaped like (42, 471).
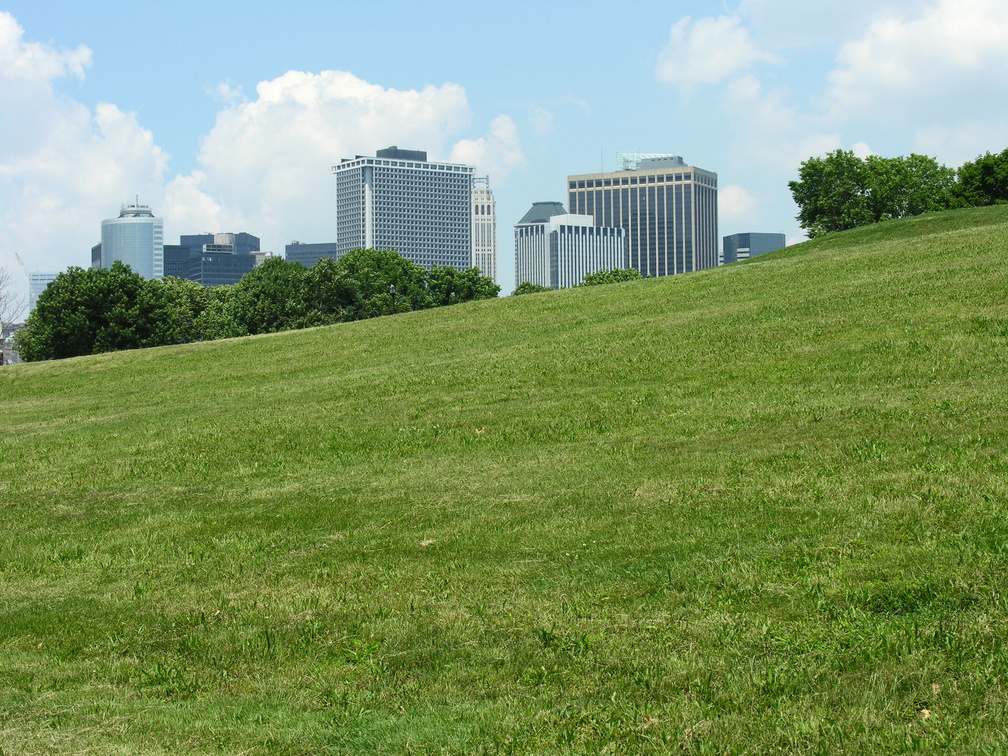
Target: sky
(227, 115)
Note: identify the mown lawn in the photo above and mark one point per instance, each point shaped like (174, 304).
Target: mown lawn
(749, 510)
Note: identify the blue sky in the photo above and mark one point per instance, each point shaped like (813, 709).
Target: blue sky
(226, 116)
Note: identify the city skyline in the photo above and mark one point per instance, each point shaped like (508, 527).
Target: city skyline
(98, 109)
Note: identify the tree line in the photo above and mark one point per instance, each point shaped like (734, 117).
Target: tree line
(88, 311)
(842, 191)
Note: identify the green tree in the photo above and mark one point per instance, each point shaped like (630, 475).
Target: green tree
(614, 275)
(526, 287)
(184, 302)
(831, 193)
(216, 321)
(448, 286)
(903, 186)
(88, 311)
(841, 191)
(271, 297)
(984, 181)
(386, 281)
(333, 297)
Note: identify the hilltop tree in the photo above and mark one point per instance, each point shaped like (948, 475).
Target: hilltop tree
(271, 297)
(386, 281)
(984, 181)
(448, 286)
(842, 191)
(527, 287)
(92, 311)
(614, 275)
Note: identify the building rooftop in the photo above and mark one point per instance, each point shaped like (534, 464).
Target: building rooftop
(541, 212)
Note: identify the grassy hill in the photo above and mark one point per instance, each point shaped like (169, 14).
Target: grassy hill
(748, 510)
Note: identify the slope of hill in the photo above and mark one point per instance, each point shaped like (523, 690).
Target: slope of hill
(754, 509)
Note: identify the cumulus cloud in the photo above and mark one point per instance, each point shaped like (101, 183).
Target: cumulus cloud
(950, 59)
(707, 51)
(265, 166)
(63, 167)
(736, 205)
(496, 154)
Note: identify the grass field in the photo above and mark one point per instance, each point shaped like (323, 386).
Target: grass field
(757, 509)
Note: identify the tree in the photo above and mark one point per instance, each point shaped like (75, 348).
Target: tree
(526, 287)
(448, 286)
(615, 275)
(271, 297)
(387, 282)
(333, 297)
(984, 181)
(11, 305)
(92, 311)
(184, 302)
(842, 191)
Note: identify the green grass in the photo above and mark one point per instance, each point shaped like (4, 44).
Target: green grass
(756, 509)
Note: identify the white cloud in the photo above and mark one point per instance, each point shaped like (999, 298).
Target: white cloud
(496, 154)
(736, 205)
(949, 60)
(707, 50)
(541, 120)
(63, 168)
(265, 167)
(34, 62)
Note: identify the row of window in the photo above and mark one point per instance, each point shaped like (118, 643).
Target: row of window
(670, 178)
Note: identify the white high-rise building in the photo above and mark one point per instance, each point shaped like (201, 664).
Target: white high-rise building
(557, 249)
(136, 238)
(484, 228)
(37, 283)
(398, 200)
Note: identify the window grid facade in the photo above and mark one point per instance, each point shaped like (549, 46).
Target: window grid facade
(668, 210)
(484, 232)
(559, 253)
(421, 210)
(136, 238)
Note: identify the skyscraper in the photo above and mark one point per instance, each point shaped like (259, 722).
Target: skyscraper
(135, 238)
(743, 246)
(667, 208)
(309, 254)
(557, 249)
(398, 200)
(484, 228)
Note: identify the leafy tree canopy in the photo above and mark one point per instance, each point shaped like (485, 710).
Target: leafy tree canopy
(526, 287)
(615, 275)
(984, 181)
(841, 191)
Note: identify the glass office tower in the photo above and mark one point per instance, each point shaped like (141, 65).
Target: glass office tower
(667, 208)
(136, 238)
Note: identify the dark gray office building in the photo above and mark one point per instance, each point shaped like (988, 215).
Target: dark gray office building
(667, 208)
(309, 254)
(211, 259)
(743, 246)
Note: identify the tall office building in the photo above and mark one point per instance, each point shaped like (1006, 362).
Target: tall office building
(37, 283)
(309, 254)
(743, 246)
(398, 200)
(212, 259)
(135, 238)
(557, 249)
(667, 208)
(484, 228)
